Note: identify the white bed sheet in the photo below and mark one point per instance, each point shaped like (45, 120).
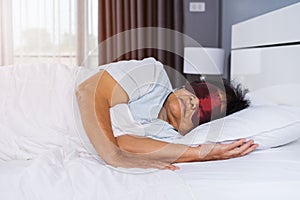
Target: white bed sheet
(264, 174)
(54, 176)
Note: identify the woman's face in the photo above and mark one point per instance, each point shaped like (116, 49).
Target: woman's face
(181, 107)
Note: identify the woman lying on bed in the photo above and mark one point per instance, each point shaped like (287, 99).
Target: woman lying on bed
(130, 114)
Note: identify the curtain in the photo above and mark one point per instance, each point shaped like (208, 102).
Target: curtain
(87, 33)
(6, 40)
(135, 29)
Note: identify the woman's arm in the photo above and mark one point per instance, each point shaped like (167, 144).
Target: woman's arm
(98, 134)
(183, 153)
(95, 97)
(158, 149)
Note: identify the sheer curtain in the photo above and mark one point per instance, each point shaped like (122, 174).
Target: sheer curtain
(135, 29)
(51, 30)
(6, 40)
(87, 32)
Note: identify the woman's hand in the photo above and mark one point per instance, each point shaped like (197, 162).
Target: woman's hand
(218, 151)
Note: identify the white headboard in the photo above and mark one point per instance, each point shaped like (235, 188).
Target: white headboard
(265, 55)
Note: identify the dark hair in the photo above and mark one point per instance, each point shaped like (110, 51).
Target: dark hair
(235, 95)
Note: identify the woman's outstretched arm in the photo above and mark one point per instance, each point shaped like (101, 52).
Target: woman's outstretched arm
(185, 153)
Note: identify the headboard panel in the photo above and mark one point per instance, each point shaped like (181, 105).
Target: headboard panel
(269, 70)
(277, 27)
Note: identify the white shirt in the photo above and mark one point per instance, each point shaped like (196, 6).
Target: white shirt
(147, 86)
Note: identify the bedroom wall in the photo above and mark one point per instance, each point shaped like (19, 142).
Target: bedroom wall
(234, 11)
(202, 26)
(212, 28)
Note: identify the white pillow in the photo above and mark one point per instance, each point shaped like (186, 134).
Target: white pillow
(258, 100)
(270, 95)
(268, 125)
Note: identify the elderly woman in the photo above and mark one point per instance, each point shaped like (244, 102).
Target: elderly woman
(153, 110)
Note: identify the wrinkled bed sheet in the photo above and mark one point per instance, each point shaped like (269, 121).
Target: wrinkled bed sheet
(41, 151)
(55, 176)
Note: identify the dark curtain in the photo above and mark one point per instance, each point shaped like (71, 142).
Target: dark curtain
(135, 29)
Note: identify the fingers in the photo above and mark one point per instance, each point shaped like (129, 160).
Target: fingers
(245, 148)
(252, 148)
(171, 167)
(237, 144)
(165, 166)
(162, 165)
(241, 148)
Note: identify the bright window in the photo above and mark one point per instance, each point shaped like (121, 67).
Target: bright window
(48, 30)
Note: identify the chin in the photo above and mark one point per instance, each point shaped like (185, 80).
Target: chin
(183, 132)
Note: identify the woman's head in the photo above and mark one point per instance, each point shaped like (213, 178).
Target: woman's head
(201, 102)
(217, 99)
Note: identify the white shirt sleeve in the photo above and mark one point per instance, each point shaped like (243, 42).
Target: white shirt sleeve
(123, 123)
(137, 77)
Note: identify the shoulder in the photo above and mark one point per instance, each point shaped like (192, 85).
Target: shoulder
(137, 69)
(138, 77)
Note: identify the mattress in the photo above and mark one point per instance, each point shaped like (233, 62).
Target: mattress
(264, 174)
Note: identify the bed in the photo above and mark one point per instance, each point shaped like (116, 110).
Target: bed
(39, 166)
(265, 59)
